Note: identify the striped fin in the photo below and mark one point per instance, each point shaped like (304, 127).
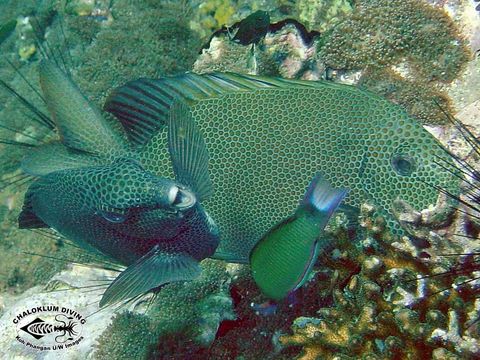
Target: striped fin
(188, 152)
(152, 270)
(142, 106)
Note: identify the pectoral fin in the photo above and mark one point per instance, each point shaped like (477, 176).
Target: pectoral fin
(188, 151)
(27, 219)
(154, 269)
(308, 265)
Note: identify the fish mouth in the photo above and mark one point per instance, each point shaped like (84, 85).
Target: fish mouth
(181, 198)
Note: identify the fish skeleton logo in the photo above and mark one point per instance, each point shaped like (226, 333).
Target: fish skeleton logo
(49, 328)
(39, 328)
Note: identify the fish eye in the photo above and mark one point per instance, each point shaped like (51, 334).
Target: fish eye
(181, 198)
(403, 165)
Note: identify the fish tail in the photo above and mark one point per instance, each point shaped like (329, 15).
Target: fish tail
(322, 198)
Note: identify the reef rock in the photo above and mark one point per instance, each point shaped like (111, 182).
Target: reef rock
(72, 289)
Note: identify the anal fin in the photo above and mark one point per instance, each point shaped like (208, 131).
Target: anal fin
(152, 270)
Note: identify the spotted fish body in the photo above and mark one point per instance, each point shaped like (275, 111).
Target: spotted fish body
(267, 138)
(93, 224)
(91, 186)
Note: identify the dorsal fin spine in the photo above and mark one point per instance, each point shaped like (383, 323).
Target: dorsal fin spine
(142, 106)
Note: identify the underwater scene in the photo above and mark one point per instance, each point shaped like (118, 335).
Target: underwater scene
(240, 179)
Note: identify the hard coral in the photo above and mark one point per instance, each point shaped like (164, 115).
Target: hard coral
(141, 41)
(387, 310)
(382, 33)
(194, 309)
(423, 100)
(117, 343)
(322, 14)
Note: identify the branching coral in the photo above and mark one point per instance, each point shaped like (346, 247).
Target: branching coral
(385, 312)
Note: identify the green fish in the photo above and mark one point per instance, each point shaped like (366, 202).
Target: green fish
(282, 260)
(92, 188)
(266, 136)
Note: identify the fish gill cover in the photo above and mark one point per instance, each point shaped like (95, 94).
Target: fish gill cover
(370, 277)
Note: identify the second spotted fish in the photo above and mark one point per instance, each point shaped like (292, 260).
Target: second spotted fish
(92, 187)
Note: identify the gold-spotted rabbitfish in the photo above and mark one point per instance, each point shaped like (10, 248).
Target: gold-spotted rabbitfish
(93, 188)
(266, 137)
(282, 260)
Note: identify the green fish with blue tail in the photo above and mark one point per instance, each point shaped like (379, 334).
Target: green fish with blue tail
(266, 136)
(92, 188)
(283, 259)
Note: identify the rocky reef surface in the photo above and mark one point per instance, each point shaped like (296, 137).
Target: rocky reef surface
(376, 297)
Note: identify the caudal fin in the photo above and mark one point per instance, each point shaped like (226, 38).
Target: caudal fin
(322, 197)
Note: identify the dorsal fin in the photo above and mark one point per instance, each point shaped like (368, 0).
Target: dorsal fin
(143, 105)
(79, 122)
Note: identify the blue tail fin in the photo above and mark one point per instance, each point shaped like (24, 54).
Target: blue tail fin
(322, 197)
